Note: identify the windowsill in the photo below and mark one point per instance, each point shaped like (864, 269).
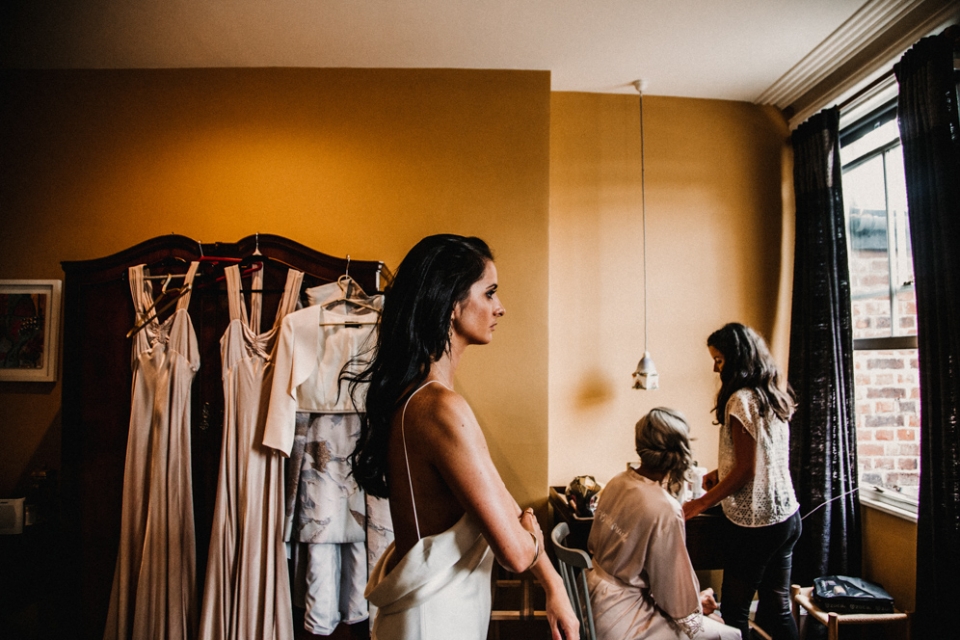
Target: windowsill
(881, 501)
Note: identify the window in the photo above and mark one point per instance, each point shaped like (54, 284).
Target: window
(884, 312)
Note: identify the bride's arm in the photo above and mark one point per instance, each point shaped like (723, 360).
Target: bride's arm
(559, 612)
(459, 451)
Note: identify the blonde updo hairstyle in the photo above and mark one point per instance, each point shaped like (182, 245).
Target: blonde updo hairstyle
(663, 444)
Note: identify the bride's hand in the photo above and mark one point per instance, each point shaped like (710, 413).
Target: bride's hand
(561, 617)
(529, 522)
(560, 613)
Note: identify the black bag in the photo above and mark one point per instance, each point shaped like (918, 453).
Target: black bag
(843, 594)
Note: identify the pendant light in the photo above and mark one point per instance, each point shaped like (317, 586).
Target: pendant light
(645, 377)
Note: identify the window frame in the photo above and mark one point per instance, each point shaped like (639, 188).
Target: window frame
(879, 116)
(884, 499)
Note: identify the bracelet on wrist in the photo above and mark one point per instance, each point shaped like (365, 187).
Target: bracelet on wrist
(536, 552)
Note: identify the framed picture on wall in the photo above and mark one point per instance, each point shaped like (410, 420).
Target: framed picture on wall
(29, 330)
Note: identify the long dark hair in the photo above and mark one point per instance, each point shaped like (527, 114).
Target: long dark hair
(434, 276)
(747, 364)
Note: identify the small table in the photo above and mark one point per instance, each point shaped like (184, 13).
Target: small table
(705, 532)
(800, 597)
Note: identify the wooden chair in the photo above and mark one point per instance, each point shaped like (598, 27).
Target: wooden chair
(759, 632)
(802, 597)
(573, 562)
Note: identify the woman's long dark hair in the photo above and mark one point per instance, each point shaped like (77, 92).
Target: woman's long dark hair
(434, 276)
(747, 364)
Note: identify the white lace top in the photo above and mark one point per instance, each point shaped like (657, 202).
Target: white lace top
(768, 498)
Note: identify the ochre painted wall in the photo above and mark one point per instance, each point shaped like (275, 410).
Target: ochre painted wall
(720, 220)
(890, 555)
(714, 224)
(359, 162)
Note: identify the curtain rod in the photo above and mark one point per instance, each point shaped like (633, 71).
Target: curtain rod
(952, 32)
(867, 89)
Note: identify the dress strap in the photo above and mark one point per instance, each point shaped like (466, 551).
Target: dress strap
(184, 300)
(291, 293)
(142, 293)
(140, 290)
(234, 294)
(406, 459)
(256, 300)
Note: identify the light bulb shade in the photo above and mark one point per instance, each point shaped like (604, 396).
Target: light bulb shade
(646, 377)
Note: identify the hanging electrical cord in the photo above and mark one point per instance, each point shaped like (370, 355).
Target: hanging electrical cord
(645, 377)
(826, 502)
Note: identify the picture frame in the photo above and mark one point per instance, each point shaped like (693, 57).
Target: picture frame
(29, 330)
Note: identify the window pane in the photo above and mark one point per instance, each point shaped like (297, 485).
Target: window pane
(879, 137)
(880, 260)
(905, 309)
(888, 419)
(864, 195)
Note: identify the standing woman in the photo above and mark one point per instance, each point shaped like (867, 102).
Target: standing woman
(422, 447)
(753, 482)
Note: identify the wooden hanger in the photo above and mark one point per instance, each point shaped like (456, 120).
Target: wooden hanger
(351, 297)
(350, 289)
(253, 268)
(167, 277)
(176, 293)
(168, 262)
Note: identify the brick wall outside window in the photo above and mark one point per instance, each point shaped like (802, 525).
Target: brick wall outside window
(887, 388)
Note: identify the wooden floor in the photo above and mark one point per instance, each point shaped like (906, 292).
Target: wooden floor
(359, 631)
(502, 630)
(518, 603)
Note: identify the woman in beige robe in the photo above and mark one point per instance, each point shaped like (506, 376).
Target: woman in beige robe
(642, 584)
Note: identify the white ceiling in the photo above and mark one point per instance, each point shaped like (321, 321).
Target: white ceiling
(724, 49)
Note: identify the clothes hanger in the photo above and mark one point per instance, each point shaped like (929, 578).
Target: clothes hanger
(351, 323)
(163, 293)
(176, 293)
(253, 268)
(215, 259)
(165, 276)
(251, 264)
(163, 289)
(167, 262)
(219, 259)
(350, 297)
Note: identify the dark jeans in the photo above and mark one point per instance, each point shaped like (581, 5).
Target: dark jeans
(758, 560)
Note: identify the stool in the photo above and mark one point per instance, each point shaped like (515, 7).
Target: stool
(801, 597)
(514, 598)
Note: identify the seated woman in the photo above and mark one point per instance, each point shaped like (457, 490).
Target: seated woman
(642, 584)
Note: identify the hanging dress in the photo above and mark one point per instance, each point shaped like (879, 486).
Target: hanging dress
(336, 532)
(246, 591)
(441, 588)
(154, 585)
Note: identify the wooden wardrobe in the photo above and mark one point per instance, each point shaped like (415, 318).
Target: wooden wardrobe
(97, 376)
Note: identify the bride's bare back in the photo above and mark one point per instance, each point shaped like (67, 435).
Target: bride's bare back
(450, 466)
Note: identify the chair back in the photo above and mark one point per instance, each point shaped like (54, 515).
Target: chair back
(572, 563)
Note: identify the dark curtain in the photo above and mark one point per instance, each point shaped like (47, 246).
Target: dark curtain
(823, 439)
(927, 111)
